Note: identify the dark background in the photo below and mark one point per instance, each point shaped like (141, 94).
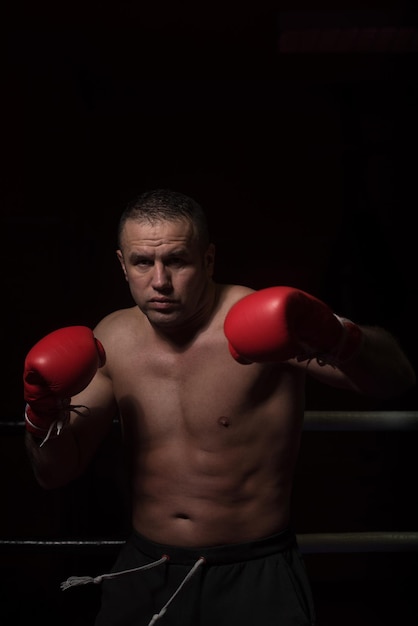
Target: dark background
(297, 130)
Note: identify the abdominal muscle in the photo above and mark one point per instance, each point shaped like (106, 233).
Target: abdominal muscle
(211, 445)
(186, 495)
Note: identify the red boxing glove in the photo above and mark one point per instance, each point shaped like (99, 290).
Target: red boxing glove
(57, 367)
(280, 323)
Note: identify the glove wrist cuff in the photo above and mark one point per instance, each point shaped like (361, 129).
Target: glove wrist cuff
(35, 424)
(44, 428)
(34, 430)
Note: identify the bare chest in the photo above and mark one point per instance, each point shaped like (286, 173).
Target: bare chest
(199, 392)
(183, 376)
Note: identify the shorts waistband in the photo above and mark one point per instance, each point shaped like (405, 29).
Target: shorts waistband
(229, 553)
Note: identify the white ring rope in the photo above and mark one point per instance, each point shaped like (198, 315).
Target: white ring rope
(309, 543)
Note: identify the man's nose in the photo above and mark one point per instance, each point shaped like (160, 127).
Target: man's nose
(161, 276)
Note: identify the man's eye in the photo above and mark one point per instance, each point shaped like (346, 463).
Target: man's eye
(177, 261)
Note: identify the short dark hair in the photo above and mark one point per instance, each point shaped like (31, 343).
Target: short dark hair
(165, 204)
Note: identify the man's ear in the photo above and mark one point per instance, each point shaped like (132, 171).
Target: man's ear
(122, 262)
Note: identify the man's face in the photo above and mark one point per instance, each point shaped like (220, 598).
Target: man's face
(167, 273)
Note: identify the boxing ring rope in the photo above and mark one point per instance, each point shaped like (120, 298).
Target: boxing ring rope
(309, 543)
(322, 420)
(361, 420)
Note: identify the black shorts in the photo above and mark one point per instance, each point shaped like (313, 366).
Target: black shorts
(247, 584)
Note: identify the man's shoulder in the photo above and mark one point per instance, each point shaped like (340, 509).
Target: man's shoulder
(118, 319)
(229, 294)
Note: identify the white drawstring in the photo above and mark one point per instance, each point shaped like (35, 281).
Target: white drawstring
(198, 563)
(73, 581)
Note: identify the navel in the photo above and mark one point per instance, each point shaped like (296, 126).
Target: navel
(182, 516)
(223, 421)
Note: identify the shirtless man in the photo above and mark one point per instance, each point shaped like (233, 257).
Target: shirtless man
(207, 381)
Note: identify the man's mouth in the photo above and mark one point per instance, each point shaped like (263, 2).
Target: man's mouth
(161, 304)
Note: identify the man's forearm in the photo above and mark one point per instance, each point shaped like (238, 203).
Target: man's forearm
(57, 462)
(381, 368)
